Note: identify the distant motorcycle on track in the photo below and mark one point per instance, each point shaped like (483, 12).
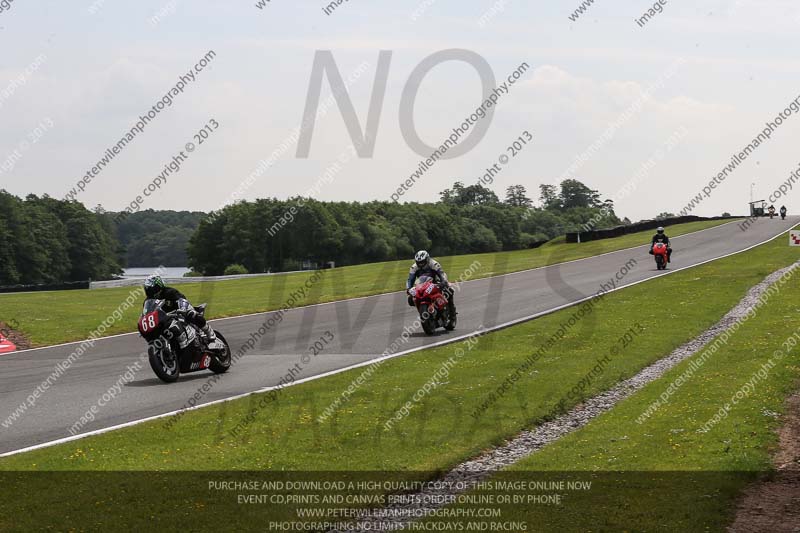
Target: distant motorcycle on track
(432, 306)
(176, 345)
(660, 252)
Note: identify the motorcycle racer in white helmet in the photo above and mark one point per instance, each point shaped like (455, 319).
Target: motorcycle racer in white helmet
(426, 265)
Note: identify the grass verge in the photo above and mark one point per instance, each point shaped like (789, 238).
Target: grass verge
(56, 317)
(682, 468)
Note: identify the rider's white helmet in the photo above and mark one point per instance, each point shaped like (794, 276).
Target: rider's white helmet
(422, 258)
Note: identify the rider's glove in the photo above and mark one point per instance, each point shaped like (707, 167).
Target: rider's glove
(191, 314)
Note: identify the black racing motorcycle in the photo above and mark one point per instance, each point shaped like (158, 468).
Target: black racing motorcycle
(176, 345)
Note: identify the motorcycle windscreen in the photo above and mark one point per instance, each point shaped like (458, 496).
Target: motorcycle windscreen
(150, 305)
(423, 279)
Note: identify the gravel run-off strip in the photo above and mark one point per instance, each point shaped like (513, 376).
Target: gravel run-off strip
(467, 475)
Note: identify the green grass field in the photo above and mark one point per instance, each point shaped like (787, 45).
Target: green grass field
(667, 473)
(682, 468)
(56, 317)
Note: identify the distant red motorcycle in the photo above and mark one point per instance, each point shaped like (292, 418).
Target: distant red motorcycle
(660, 253)
(432, 306)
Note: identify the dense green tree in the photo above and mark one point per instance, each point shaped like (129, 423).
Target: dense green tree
(576, 194)
(205, 246)
(42, 255)
(151, 238)
(92, 249)
(470, 195)
(453, 194)
(548, 197)
(44, 240)
(542, 221)
(8, 268)
(517, 196)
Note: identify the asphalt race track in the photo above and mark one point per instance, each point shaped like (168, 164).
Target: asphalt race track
(362, 328)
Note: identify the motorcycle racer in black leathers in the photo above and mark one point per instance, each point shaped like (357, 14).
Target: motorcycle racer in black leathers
(660, 236)
(424, 264)
(175, 300)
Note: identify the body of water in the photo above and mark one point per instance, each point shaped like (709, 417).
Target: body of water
(168, 272)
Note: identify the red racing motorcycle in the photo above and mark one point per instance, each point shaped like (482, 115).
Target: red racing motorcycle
(432, 305)
(660, 253)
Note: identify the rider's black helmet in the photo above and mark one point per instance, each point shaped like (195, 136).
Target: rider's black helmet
(660, 230)
(153, 285)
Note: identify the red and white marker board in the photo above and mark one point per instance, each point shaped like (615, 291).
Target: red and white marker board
(6, 345)
(794, 238)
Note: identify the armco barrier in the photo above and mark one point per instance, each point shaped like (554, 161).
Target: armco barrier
(617, 231)
(69, 285)
(128, 282)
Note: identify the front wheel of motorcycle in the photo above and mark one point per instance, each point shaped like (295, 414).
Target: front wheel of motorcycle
(221, 363)
(428, 323)
(165, 365)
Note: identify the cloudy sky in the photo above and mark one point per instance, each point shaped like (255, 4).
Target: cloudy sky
(688, 90)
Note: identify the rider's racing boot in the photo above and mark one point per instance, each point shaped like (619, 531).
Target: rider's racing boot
(452, 313)
(208, 331)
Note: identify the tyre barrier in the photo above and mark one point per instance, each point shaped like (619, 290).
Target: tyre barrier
(593, 235)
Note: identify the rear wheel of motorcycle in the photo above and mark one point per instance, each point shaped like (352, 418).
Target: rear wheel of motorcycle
(168, 372)
(220, 364)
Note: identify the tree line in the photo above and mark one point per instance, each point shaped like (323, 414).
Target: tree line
(46, 240)
(280, 235)
(151, 238)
